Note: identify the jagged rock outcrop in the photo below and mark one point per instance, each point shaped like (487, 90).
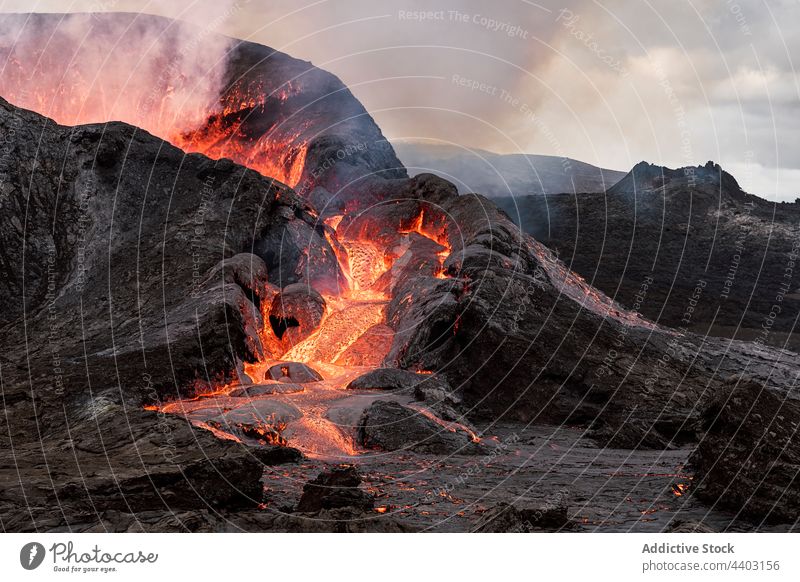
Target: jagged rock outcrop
(229, 98)
(138, 287)
(748, 460)
(687, 248)
(519, 336)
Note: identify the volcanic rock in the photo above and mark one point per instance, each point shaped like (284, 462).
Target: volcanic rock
(297, 252)
(391, 426)
(524, 338)
(248, 272)
(128, 466)
(158, 331)
(295, 314)
(442, 400)
(394, 379)
(685, 247)
(277, 455)
(431, 389)
(749, 459)
(506, 518)
(333, 489)
(293, 373)
(281, 116)
(113, 323)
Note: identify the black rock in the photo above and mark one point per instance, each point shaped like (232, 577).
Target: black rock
(748, 461)
(525, 339)
(391, 426)
(395, 379)
(666, 242)
(277, 455)
(336, 488)
(293, 373)
(295, 314)
(506, 518)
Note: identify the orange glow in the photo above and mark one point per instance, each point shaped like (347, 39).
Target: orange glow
(432, 231)
(680, 489)
(447, 425)
(218, 130)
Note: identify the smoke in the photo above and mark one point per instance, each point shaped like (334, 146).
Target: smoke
(158, 74)
(460, 71)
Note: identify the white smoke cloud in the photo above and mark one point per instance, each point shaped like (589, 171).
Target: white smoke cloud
(157, 74)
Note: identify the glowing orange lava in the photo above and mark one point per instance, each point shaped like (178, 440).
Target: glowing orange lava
(221, 129)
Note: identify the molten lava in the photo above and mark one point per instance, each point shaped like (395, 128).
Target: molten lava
(169, 105)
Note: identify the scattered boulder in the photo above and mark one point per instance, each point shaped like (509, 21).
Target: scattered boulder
(391, 426)
(293, 372)
(748, 461)
(506, 518)
(277, 455)
(333, 489)
(295, 314)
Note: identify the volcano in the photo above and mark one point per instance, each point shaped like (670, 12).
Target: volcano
(701, 241)
(188, 337)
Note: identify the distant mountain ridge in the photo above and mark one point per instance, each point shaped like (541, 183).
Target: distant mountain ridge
(501, 175)
(700, 244)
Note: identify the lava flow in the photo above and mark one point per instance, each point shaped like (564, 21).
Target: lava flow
(351, 338)
(191, 99)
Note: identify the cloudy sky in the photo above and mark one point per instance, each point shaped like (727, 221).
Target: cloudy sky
(610, 82)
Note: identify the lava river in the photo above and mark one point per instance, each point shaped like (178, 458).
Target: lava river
(320, 417)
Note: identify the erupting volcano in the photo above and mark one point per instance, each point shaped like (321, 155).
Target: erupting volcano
(217, 266)
(200, 91)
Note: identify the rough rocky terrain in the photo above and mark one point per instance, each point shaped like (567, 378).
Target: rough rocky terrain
(141, 284)
(264, 109)
(127, 281)
(687, 248)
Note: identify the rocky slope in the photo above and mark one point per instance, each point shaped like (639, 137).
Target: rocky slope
(138, 284)
(136, 273)
(687, 248)
(500, 175)
(127, 279)
(201, 91)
